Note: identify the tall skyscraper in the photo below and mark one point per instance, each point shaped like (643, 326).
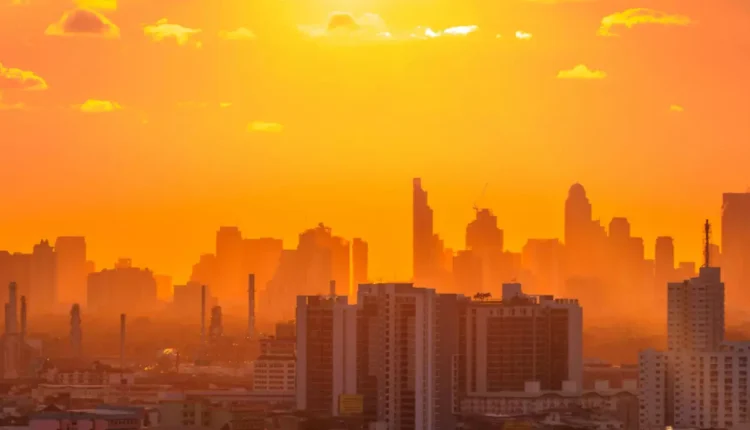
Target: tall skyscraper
(122, 288)
(735, 244)
(664, 261)
(425, 245)
(230, 282)
(695, 312)
(43, 289)
(326, 353)
(71, 269)
(485, 240)
(360, 256)
(584, 237)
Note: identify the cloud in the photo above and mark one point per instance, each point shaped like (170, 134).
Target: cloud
(344, 25)
(637, 16)
(163, 30)
(11, 106)
(522, 35)
(98, 106)
(241, 33)
(581, 72)
(97, 4)
(17, 79)
(676, 108)
(264, 127)
(429, 33)
(83, 22)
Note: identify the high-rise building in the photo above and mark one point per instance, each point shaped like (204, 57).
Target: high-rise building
(523, 339)
(544, 259)
(664, 269)
(735, 243)
(71, 269)
(468, 272)
(403, 358)
(428, 257)
(326, 353)
(122, 288)
(485, 240)
(230, 284)
(584, 237)
(43, 289)
(360, 270)
(695, 312)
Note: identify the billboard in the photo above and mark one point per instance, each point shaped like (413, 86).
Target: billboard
(350, 404)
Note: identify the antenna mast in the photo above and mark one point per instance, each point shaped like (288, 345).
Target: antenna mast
(707, 244)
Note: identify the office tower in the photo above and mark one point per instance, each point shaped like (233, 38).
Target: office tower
(664, 270)
(584, 237)
(735, 243)
(231, 279)
(251, 306)
(42, 290)
(75, 330)
(187, 298)
(695, 312)
(523, 339)
(205, 271)
(164, 289)
(426, 246)
(121, 288)
(485, 240)
(326, 353)
(216, 328)
(544, 259)
(203, 316)
(403, 358)
(468, 272)
(261, 257)
(70, 253)
(360, 251)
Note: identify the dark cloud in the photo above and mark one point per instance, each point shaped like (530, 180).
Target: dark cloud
(84, 22)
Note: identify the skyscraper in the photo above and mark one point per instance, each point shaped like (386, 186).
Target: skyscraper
(584, 237)
(425, 262)
(735, 244)
(326, 353)
(485, 240)
(230, 284)
(696, 312)
(43, 289)
(71, 269)
(360, 257)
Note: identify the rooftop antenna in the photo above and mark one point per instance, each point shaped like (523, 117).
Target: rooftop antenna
(707, 244)
(484, 190)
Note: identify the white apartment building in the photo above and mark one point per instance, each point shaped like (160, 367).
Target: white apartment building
(406, 353)
(275, 370)
(701, 381)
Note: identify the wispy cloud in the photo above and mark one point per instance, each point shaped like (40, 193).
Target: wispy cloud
(98, 106)
(84, 22)
(264, 127)
(637, 16)
(16, 79)
(522, 35)
(676, 108)
(581, 72)
(241, 33)
(163, 30)
(4, 106)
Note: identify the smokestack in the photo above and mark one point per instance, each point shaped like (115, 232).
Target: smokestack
(75, 329)
(203, 315)
(251, 306)
(12, 308)
(333, 288)
(122, 344)
(23, 317)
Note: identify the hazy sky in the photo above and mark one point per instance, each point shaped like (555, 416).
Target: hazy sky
(145, 125)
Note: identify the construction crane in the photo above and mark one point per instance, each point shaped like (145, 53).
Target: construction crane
(484, 190)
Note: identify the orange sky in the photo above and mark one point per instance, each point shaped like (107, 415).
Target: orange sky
(286, 125)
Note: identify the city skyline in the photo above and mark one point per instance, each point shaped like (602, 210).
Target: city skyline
(188, 152)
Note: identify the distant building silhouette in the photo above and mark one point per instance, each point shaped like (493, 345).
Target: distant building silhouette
(122, 288)
(71, 269)
(43, 289)
(735, 243)
(360, 265)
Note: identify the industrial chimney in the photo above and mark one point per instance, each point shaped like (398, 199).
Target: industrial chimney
(251, 306)
(122, 347)
(203, 315)
(333, 288)
(75, 329)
